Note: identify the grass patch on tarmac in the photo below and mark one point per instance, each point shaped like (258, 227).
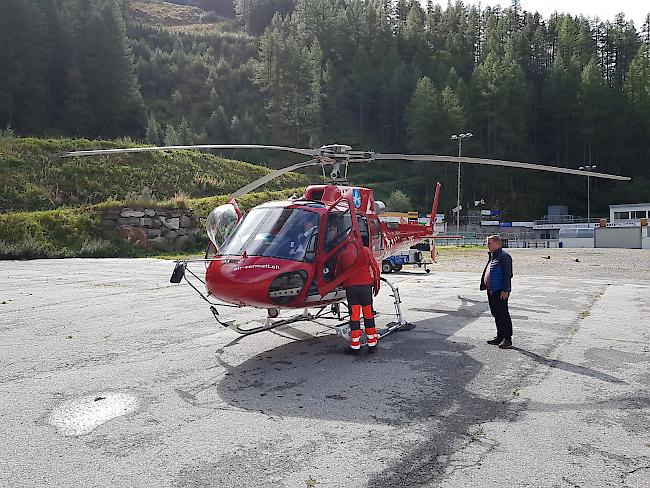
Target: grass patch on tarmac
(459, 250)
(182, 256)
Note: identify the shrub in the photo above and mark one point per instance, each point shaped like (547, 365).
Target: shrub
(398, 202)
(98, 248)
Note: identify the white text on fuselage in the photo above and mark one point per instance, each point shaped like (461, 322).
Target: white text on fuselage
(257, 266)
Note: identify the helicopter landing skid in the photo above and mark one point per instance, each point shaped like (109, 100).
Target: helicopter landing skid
(270, 323)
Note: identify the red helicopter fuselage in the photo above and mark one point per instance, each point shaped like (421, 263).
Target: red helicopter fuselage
(297, 253)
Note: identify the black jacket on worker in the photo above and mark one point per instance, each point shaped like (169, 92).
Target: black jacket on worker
(499, 272)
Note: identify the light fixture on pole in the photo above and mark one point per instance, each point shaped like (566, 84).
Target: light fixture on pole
(588, 169)
(459, 138)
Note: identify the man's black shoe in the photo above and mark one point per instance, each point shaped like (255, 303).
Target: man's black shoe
(496, 341)
(372, 349)
(506, 344)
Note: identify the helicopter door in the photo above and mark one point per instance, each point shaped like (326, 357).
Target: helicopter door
(340, 245)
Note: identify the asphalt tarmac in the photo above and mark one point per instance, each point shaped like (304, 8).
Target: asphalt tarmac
(112, 376)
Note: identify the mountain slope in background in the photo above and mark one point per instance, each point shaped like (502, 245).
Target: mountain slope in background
(34, 177)
(184, 16)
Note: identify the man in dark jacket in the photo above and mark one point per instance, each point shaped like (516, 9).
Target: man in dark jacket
(496, 280)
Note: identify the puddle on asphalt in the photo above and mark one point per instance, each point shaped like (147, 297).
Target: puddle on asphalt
(83, 415)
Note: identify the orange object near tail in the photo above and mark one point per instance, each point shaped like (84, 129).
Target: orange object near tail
(434, 210)
(432, 224)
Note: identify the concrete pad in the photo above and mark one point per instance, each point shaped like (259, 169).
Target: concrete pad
(437, 406)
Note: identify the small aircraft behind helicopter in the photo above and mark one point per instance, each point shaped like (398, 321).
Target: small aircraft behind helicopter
(295, 254)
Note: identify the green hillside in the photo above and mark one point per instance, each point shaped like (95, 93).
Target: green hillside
(78, 232)
(173, 16)
(34, 177)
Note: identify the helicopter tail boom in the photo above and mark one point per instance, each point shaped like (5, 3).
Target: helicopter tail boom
(434, 209)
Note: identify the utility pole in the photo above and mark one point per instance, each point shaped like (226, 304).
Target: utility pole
(589, 169)
(459, 138)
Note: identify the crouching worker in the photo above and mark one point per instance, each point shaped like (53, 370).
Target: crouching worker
(359, 288)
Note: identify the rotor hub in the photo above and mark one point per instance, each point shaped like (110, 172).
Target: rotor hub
(338, 156)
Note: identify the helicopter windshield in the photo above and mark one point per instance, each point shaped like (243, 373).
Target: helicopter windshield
(276, 232)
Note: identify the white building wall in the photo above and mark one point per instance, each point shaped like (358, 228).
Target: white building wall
(577, 242)
(631, 212)
(618, 237)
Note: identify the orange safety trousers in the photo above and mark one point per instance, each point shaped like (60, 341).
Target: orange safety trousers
(355, 326)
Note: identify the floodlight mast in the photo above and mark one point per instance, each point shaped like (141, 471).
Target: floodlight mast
(459, 138)
(589, 169)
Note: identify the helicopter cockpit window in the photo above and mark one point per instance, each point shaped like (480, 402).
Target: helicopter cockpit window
(339, 225)
(363, 230)
(275, 232)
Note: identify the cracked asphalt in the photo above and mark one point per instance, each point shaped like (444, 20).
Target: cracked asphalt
(436, 407)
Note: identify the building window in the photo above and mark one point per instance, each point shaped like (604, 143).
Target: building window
(621, 215)
(640, 214)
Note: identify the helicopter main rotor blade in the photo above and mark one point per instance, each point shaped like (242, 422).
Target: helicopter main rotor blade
(197, 147)
(271, 176)
(496, 162)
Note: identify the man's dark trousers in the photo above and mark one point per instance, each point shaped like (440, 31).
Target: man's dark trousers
(499, 310)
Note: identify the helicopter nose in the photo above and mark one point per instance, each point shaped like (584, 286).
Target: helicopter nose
(256, 282)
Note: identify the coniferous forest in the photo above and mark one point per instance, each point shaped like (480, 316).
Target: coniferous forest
(390, 76)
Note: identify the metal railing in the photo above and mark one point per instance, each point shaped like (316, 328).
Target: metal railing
(565, 219)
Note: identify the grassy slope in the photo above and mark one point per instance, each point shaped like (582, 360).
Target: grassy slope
(176, 17)
(77, 232)
(33, 177)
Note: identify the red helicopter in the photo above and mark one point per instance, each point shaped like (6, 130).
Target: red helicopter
(295, 254)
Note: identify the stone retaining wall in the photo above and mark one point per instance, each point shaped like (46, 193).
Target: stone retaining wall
(158, 228)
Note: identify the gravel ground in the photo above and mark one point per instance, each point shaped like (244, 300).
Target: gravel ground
(606, 264)
(110, 376)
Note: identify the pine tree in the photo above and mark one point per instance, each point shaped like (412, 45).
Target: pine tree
(152, 133)
(453, 109)
(171, 137)
(424, 116)
(23, 61)
(592, 97)
(185, 135)
(637, 84)
(112, 87)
